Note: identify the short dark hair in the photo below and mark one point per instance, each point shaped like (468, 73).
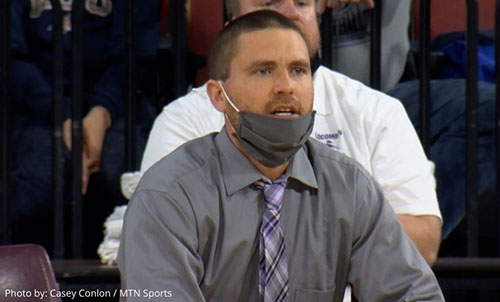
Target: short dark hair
(224, 47)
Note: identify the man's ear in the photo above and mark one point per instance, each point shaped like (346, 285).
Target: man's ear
(216, 95)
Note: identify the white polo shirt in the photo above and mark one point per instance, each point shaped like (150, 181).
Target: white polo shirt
(365, 124)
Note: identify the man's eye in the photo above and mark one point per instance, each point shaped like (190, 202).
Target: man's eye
(303, 3)
(263, 71)
(299, 70)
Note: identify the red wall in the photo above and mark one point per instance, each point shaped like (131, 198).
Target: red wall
(449, 15)
(205, 20)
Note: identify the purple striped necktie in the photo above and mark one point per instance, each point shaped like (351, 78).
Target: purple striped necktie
(273, 267)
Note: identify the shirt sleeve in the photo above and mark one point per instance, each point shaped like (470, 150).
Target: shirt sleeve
(186, 118)
(157, 254)
(385, 265)
(399, 163)
(108, 91)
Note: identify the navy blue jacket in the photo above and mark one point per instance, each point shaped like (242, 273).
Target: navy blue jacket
(104, 48)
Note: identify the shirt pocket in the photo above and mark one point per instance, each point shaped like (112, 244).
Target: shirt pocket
(308, 295)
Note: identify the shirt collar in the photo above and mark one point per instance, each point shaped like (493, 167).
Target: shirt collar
(300, 168)
(238, 172)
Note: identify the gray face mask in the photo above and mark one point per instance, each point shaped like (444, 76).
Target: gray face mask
(271, 141)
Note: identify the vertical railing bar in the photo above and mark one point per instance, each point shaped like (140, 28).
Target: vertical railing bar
(58, 106)
(179, 39)
(76, 129)
(130, 117)
(224, 12)
(471, 129)
(375, 44)
(5, 236)
(326, 38)
(497, 86)
(425, 54)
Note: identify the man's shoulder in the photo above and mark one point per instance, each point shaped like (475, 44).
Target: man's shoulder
(195, 97)
(332, 161)
(184, 161)
(339, 88)
(338, 95)
(192, 106)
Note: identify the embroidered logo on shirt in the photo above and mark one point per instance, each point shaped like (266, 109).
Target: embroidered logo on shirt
(329, 139)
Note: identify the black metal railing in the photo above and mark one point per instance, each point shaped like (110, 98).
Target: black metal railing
(326, 34)
(58, 145)
(130, 116)
(425, 74)
(471, 130)
(179, 43)
(76, 128)
(497, 116)
(375, 44)
(4, 121)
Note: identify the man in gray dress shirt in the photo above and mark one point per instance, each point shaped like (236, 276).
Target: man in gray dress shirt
(192, 231)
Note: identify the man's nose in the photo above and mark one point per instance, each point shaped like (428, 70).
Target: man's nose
(283, 83)
(289, 9)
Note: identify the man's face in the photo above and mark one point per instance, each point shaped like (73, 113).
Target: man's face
(270, 75)
(302, 12)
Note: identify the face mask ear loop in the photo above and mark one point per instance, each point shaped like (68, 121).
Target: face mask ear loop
(230, 124)
(227, 97)
(231, 103)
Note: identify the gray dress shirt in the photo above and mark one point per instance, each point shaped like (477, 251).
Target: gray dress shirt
(191, 231)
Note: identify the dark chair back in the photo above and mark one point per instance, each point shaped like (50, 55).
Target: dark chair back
(26, 274)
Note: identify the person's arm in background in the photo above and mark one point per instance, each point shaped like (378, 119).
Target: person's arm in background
(321, 5)
(107, 97)
(401, 168)
(94, 126)
(425, 232)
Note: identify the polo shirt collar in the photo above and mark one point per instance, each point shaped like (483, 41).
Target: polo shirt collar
(238, 172)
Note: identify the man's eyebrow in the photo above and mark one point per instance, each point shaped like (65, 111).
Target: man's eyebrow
(261, 63)
(270, 63)
(301, 63)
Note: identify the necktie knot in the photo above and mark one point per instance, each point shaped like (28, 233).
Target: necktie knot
(273, 194)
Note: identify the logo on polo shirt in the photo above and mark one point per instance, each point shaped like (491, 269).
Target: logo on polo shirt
(329, 139)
